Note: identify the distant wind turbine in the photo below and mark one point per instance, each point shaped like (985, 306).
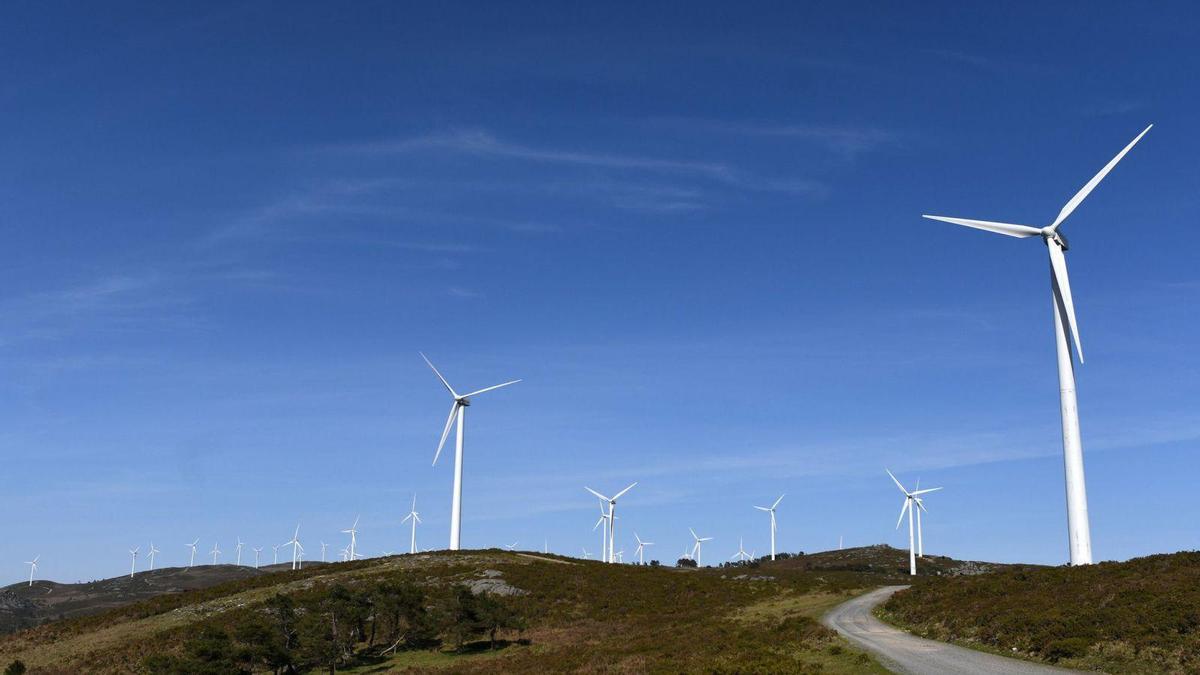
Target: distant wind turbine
(909, 499)
(257, 551)
(412, 515)
(771, 510)
(133, 566)
(619, 556)
(33, 567)
(215, 552)
(511, 546)
(696, 547)
(294, 542)
(586, 555)
(741, 555)
(603, 520)
(353, 532)
(458, 412)
(239, 551)
(612, 509)
(152, 552)
(1078, 530)
(323, 547)
(275, 550)
(192, 560)
(641, 547)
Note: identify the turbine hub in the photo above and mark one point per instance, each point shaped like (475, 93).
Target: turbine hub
(464, 401)
(1057, 237)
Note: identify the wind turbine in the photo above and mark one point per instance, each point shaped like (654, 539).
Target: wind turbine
(215, 552)
(458, 411)
(412, 515)
(33, 567)
(152, 552)
(192, 560)
(619, 556)
(1078, 531)
(133, 566)
(294, 542)
(239, 552)
(696, 547)
(256, 552)
(909, 499)
(275, 550)
(586, 555)
(920, 539)
(741, 554)
(612, 518)
(353, 532)
(323, 547)
(603, 520)
(512, 546)
(771, 511)
(641, 547)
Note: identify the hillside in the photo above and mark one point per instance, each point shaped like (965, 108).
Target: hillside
(24, 606)
(1140, 616)
(431, 611)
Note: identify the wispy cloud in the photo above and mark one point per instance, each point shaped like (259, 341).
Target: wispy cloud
(481, 143)
(1110, 108)
(844, 140)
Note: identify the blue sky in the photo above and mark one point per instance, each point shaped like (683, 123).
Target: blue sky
(693, 231)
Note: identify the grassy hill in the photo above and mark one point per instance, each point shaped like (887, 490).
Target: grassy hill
(424, 612)
(1140, 616)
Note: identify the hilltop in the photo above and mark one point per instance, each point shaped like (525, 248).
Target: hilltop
(475, 611)
(1138, 616)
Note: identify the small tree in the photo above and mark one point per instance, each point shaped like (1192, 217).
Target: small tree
(685, 562)
(17, 667)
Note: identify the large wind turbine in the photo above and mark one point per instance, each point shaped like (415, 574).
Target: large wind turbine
(909, 499)
(1078, 532)
(603, 520)
(152, 552)
(458, 411)
(641, 547)
(294, 542)
(771, 511)
(696, 547)
(33, 567)
(192, 560)
(412, 515)
(353, 532)
(612, 518)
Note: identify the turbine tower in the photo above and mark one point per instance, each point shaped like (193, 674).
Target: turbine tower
(294, 542)
(603, 520)
(133, 565)
(215, 552)
(741, 555)
(275, 550)
(910, 498)
(771, 511)
(256, 552)
(33, 567)
(696, 546)
(152, 552)
(239, 551)
(458, 412)
(323, 547)
(640, 547)
(412, 515)
(1078, 531)
(192, 560)
(612, 518)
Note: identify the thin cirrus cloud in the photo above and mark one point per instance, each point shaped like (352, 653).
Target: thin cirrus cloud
(482, 143)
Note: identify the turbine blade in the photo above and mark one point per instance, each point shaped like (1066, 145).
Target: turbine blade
(1062, 285)
(446, 431)
(495, 386)
(618, 495)
(778, 500)
(921, 492)
(596, 493)
(902, 510)
(921, 505)
(439, 375)
(897, 482)
(694, 536)
(1010, 229)
(1091, 184)
(598, 523)
(762, 508)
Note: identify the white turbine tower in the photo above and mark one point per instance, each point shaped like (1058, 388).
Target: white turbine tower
(612, 518)
(239, 551)
(133, 565)
(619, 556)
(771, 511)
(323, 547)
(412, 515)
(641, 548)
(603, 520)
(458, 412)
(696, 546)
(192, 560)
(586, 555)
(152, 552)
(215, 552)
(1078, 531)
(353, 532)
(275, 550)
(294, 542)
(741, 555)
(909, 499)
(33, 567)
(257, 551)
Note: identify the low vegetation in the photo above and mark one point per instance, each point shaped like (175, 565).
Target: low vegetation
(481, 611)
(1140, 616)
